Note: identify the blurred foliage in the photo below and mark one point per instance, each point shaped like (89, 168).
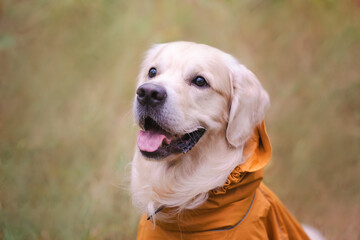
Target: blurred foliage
(67, 77)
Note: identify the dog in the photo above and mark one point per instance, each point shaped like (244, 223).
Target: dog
(201, 149)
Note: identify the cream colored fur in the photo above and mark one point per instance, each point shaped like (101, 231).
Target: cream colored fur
(228, 110)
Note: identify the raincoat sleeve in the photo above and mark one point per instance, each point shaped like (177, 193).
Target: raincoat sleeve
(279, 222)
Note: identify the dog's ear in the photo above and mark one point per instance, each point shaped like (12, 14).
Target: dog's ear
(249, 101)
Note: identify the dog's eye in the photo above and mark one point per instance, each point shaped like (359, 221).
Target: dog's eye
(199, 81)
(152, 72)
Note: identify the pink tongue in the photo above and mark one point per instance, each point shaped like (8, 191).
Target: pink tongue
(150, 141)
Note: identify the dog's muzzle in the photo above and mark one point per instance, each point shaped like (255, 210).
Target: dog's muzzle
(155, 139)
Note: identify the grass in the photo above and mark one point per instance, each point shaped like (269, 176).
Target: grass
(67, 79)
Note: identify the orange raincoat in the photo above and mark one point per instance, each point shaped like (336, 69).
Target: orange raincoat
(244, 208)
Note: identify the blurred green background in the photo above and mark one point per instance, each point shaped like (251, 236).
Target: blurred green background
(67, 79)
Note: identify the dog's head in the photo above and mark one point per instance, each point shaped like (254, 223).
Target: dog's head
(191, 94)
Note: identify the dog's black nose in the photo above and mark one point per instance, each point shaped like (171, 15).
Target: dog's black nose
(151, 94)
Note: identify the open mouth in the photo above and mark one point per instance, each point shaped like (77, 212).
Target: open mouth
(154, 142)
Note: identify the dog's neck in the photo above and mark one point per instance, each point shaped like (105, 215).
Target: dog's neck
(184, 184)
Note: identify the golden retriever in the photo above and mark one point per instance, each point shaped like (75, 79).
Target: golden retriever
(197, 107)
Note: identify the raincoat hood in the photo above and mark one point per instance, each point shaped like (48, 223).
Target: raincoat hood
(243, 206)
